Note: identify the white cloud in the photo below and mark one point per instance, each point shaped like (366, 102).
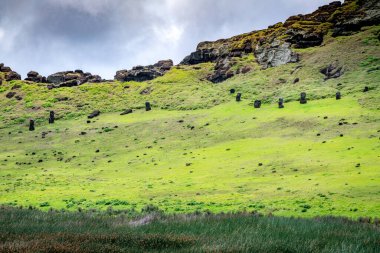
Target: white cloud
(170, 34)
(2, 34)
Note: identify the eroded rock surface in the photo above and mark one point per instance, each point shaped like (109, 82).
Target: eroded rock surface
(144, 73)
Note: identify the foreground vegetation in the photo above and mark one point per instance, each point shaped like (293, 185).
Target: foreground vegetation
(36, 231)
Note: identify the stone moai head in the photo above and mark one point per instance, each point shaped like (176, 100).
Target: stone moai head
(338, 95)
(148, 106)
(366, 89)
(51, 117)
(280, 103)
(257, 104)
(232, 91)
(303, 99)
(238, 97)
(31, 125)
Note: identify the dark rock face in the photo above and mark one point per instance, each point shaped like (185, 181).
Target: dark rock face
(338, 95)
(281, 103)
(275, 54)
(332, 71)
(94, 114)
(303, 99)
(72, 78)
(257, 104)
(144, 73)
(304, 39)
(127, 111)
(148, 107)
(51, 117)
(238, 97)
(367, 14)
(31, 125)
(201, 55)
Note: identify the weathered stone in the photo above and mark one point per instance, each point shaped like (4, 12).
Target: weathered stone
(71, 79)
(147, 106)
(332, 71)
(257, 104)
(338, 95)
(275, 54)
(31, 125)
(51, 117)
(127, 111)
(144, 73)
(222, 70)
(303, 99)
(232, 91)
(238, 97)
(281, 103)
(94, 114)
(296, 80)
(366, 89)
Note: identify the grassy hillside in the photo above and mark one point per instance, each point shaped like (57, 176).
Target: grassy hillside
(186, 87)
(34, 231)
(200, 150)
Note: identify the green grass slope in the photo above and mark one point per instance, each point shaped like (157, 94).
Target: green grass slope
(198, 149)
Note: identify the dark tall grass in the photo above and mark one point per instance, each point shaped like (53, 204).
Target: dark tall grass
(35, 231)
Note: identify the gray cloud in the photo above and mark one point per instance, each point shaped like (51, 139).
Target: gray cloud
(102, 36)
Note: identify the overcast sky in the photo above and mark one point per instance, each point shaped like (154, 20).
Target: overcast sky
(102, 36)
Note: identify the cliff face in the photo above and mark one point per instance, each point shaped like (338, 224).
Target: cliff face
(273, 46)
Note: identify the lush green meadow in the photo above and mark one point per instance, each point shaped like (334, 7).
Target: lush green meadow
(305, 160)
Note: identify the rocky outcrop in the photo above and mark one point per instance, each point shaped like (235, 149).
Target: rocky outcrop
(72, 78)
(34, 76)
(144, 73)
(273, 46)
(355, 14)
(9, 73)
(275, 54)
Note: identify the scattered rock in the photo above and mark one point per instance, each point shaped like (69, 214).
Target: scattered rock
(12, 76)
(94, 114)
(10, 94)
(232, 91)
(34, 76)
(296, 80)
(127, 111)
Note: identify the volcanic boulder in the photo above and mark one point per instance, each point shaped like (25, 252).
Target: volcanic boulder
(144, 73)
(276, 54)
(72, 78)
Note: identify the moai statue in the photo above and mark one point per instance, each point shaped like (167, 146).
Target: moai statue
(51, 117)
(303, 99)
(257, 104)
(148, 107)
(31, 125)
(338, 95)
(281, 103)
(238, 97)
(232, 91)
(366, 89)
